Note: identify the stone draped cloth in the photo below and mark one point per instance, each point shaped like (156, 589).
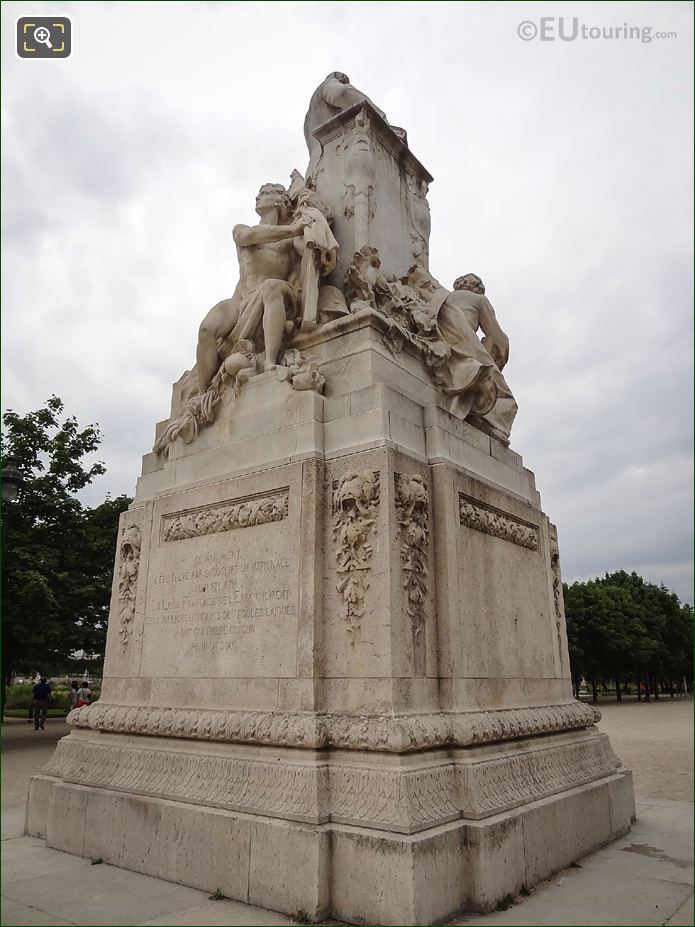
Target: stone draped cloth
(469, 377)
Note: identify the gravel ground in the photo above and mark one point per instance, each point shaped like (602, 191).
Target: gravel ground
(655, 740)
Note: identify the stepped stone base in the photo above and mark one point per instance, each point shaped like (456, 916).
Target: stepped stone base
(333, 869)
(337, 679)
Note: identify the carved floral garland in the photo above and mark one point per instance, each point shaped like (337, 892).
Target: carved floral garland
(557, 585)
(355, 509)
(128, 569)
(244, 513)
(413, 517)
(498, 524)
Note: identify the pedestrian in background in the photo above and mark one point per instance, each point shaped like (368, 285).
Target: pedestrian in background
(84, 694)
(41, 693)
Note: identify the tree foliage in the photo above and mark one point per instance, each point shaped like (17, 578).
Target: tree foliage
(57, 553)
(621, 627)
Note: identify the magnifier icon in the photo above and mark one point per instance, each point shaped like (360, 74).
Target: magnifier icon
(43, 36)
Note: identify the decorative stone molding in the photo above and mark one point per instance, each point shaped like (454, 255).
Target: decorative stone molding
(491, 786)
(128, 569)
(395, 798)
(355, 509)
(413, 516)
(227, 516)
(315, 730)
(402, 801)
(485, 518)
(280, 789)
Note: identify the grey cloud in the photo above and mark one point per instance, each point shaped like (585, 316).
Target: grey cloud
(562, 176)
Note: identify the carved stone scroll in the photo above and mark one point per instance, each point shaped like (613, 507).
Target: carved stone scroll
(413, 517)
(228, 516)
(355, 509)
(128, 569)
(485, 518)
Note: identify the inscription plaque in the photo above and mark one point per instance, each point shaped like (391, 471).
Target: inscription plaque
(223, 602)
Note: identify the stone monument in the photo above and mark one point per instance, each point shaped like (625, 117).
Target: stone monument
(336, 675)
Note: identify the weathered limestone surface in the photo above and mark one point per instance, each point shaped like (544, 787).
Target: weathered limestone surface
(336, 675)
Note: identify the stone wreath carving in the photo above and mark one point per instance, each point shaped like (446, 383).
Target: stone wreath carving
(316, 730)
(355, 509)
(498, 524)
(128, 569)
(244, 513)
(413, 517)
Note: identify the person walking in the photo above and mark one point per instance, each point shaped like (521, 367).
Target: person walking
(30, 715)
(40, 695)
(84, 695)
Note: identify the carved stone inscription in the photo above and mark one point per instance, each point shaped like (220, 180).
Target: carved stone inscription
(225, 602)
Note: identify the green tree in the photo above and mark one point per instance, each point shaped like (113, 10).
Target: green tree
(621, 626)
(58, 554)
(604, 628)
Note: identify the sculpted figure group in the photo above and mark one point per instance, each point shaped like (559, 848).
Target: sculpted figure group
(282, 261)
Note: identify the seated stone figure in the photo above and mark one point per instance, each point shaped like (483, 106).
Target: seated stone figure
(466, 310)
(269, 257)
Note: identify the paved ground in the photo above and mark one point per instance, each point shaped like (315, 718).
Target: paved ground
(644, 878)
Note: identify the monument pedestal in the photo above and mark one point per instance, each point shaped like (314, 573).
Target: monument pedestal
(337, 678)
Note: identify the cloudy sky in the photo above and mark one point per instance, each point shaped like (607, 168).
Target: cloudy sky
(562, 176)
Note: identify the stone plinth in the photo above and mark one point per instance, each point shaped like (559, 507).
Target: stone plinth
(376, 190)
(337, 678)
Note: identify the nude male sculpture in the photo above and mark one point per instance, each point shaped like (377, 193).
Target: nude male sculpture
(268, 263)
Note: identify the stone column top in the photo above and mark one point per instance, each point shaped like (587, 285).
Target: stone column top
(400, 151)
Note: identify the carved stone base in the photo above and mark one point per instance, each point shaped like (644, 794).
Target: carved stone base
(337, 676)
(328, 869)
(405, 793)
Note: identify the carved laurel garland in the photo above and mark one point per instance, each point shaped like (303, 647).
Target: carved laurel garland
(413, 517)
(480, 517)
(228, 516)
(355, 510)
(128, 569)
(388, 733)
